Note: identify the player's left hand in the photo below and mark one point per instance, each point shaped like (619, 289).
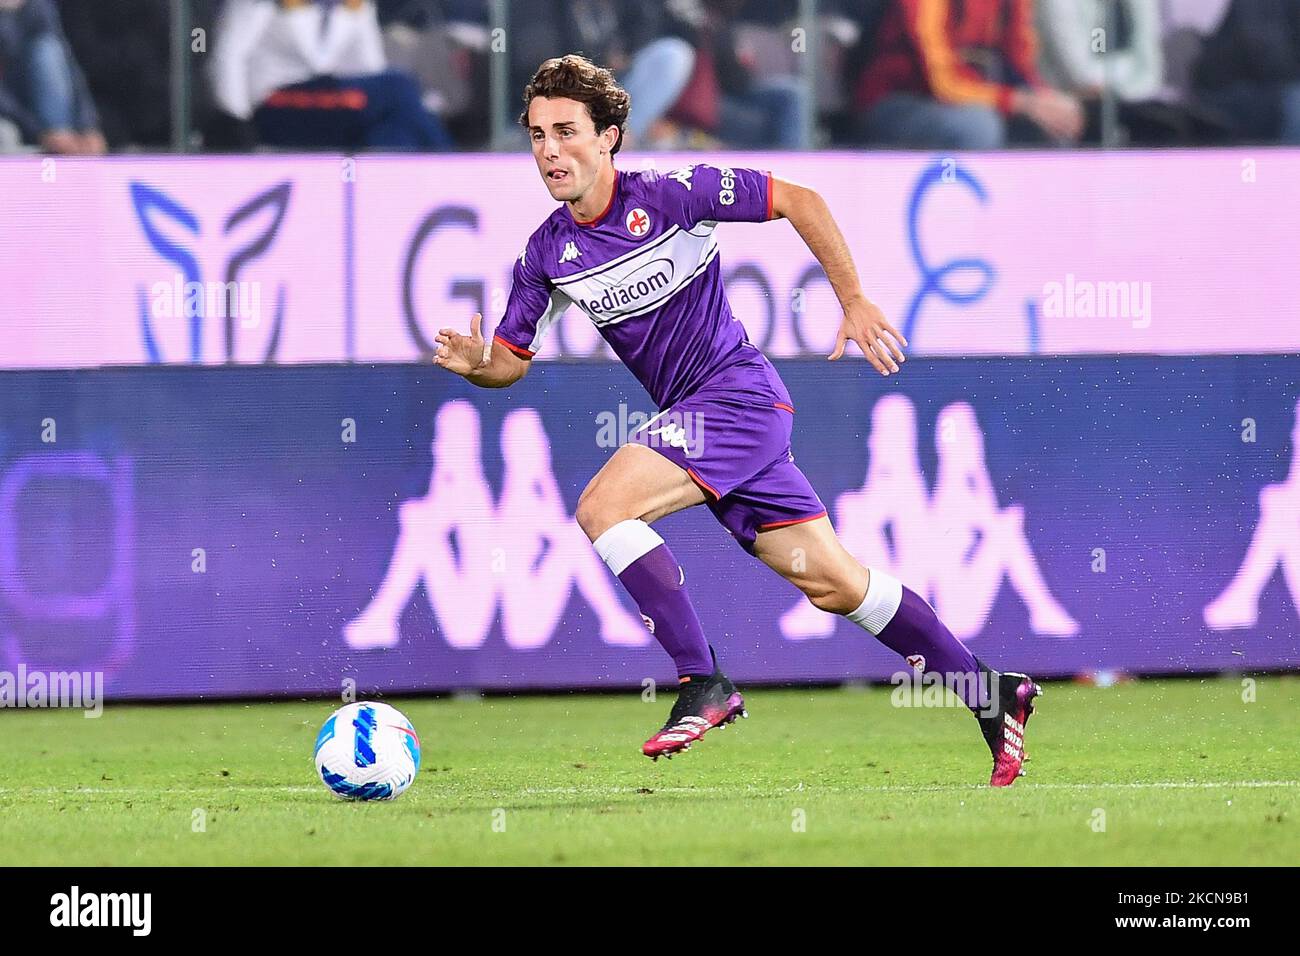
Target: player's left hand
(866, 325)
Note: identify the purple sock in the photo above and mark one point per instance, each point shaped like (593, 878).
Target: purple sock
(904, 622)
(648, 570)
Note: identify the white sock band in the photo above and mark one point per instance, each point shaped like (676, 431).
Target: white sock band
(625, 542)
(884, 595)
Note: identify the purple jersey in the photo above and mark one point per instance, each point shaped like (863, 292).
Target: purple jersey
(647, 273)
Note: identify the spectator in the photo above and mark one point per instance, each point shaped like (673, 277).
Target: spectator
(624, 36)
(43, 94)
(960, 76)
(311, 74)
(729, 95)
(1249, 70)
(1088, 45)
(1091, 48)
(446, 45)
(1185, 25)
(129, 76)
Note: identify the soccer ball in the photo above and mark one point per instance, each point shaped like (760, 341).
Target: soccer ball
(367, 751)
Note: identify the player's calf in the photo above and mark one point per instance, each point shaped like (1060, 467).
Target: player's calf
(905, 622)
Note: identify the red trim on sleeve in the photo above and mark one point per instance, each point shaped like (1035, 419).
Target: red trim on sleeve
(788, 408)
(771, 193)
(514, 348)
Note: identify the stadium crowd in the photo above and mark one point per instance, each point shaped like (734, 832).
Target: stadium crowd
(85, 76)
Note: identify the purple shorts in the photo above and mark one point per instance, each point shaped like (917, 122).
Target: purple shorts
(732, 436)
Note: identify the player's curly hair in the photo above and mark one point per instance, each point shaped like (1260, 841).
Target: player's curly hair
(575, 77)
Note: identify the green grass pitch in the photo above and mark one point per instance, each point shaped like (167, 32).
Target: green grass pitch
(1154, 772)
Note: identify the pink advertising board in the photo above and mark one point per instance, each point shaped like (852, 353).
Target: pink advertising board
(292, 259)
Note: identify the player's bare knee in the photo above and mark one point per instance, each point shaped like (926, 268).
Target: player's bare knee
(597, 513)
(819, 590)
(832, 600)
(837, 594)
(590, 515)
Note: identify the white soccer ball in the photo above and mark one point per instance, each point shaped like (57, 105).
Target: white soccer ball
(367, 751)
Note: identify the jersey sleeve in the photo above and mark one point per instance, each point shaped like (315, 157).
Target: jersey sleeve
(705, 193)
(533, 307)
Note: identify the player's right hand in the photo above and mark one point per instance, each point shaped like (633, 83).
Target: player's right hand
(461, 354)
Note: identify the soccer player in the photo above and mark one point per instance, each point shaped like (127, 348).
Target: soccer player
(637, 253)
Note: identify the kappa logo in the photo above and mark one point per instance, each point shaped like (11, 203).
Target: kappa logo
(486, 563)
(896, 519)
(638, 222)
(683, 176)
(673, 435)
(570, 252)
(1274, 546)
